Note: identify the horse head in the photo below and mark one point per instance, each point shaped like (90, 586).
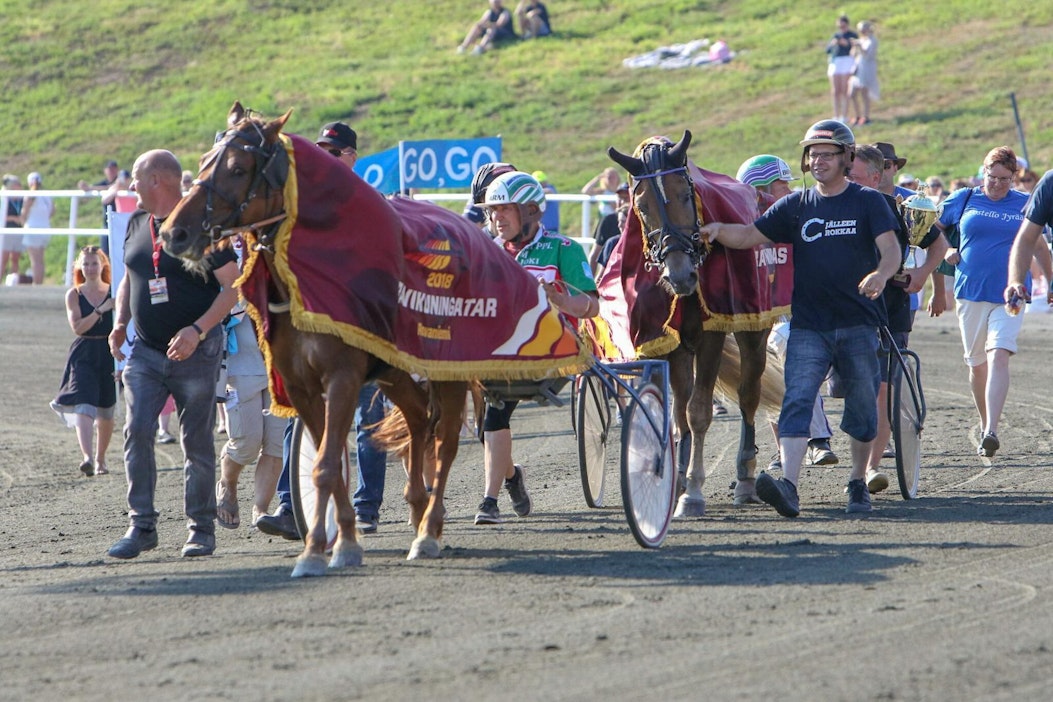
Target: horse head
(664, 200)
(239, 187)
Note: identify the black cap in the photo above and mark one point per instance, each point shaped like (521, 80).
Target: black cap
(339, 135)
(111, 164)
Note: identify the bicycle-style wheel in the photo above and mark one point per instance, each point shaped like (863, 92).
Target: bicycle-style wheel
(302, 456)
(593, 426)
(648, 473)
(907, 419)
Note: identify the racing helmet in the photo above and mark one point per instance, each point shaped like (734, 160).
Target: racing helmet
(515, 187)
(828, 131)
(486, 175)
(764, 169)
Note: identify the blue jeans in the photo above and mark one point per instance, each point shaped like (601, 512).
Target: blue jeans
(372, 463)
(149, 377)
(852, 352)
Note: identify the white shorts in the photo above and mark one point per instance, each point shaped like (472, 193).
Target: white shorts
(841, 66)
(986, 326)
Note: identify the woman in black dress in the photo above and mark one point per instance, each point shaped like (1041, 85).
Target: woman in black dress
(88, 396)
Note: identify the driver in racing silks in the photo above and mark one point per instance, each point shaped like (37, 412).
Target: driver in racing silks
(514, 202)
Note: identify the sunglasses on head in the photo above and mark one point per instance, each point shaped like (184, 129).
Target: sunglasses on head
(90, 249)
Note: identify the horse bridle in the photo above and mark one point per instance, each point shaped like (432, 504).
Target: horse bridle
(271, 160)
(668, 238)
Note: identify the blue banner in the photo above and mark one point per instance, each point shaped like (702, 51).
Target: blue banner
(431, 164)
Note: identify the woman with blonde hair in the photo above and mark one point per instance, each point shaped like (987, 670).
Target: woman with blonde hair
(863, 87)
(88, 396)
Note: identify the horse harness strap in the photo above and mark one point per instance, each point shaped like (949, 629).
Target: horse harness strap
(670, 238)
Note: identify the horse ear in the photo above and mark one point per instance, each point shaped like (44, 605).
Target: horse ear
(272, 128)
(237, 112)
(678, 154)
(633, 165)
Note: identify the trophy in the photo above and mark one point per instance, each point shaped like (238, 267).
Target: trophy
(919, 213)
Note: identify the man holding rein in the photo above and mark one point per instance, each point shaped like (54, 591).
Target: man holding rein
(844, 252)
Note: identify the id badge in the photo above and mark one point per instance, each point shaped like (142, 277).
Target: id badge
(158, 291)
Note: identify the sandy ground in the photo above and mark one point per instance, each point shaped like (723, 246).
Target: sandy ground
(942, 598)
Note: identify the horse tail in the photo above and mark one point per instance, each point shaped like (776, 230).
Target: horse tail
(391, 434)
(773, 385)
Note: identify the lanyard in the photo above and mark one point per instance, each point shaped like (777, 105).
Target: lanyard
(157, 247)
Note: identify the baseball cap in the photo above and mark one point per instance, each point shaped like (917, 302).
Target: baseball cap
(110, 164)
(906, 178)
(339, 135)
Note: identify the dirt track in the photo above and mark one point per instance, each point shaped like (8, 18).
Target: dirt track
(941, 598)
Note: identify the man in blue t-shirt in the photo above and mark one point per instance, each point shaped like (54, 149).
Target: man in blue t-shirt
(844, 252)
(1037, 215)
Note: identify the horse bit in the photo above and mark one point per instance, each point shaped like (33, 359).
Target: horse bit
(268, 161)
(669, 237)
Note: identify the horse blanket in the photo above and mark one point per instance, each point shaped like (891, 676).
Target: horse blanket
(739, 289)
(410, 282)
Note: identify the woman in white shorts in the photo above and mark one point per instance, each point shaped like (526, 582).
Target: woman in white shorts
(36, 214)
(841, 65)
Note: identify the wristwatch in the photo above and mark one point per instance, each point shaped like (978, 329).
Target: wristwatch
(200, 334)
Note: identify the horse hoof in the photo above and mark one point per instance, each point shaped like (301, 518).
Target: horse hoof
(690, 507)
(346, 554)
(746, 492)
(310, 566)
(425, 547)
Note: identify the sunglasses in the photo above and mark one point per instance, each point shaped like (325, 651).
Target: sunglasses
(338, 153)
(90, 249)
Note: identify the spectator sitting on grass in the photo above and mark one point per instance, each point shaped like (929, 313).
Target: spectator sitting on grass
(494, 26)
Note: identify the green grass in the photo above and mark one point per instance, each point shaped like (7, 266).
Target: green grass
(86, 82)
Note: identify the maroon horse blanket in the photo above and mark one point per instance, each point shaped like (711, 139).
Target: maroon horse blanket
(410, 282)
(739, 290)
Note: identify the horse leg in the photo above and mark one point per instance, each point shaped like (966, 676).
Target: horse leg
(447, 399)
(345, 376)
(411, 398)
(753, 357)
(681, 378)
(699, 416)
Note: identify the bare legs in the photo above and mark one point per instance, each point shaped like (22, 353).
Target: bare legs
(36, 263)
(497, 463)
(861, 99)
(86, 428)
(839, 95)
(989, 384)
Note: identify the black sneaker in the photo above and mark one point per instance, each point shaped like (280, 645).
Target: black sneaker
(780, 494)
(989, 445)
(517, 490)
(488, 512)
(366, 525)
(858, 497)
(281, 523)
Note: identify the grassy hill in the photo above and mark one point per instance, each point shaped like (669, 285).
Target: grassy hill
(83, 83)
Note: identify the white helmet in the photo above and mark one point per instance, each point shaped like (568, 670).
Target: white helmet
(515, 187)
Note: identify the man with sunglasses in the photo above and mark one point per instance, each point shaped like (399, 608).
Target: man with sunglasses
(844, 252)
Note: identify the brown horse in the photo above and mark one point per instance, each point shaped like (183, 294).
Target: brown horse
(667, 206)
(240, 190)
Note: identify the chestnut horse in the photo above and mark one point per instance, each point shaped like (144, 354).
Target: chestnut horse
(666, 203)
(240, 190)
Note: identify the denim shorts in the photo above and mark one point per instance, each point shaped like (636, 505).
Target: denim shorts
(810, 354)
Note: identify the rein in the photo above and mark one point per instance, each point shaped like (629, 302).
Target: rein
(667, 238)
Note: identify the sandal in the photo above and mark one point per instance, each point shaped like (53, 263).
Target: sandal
(226, 508)
(87, 468)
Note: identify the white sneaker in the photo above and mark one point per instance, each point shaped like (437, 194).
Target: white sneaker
(876, 481)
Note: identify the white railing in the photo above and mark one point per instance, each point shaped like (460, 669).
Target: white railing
(71, 231)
